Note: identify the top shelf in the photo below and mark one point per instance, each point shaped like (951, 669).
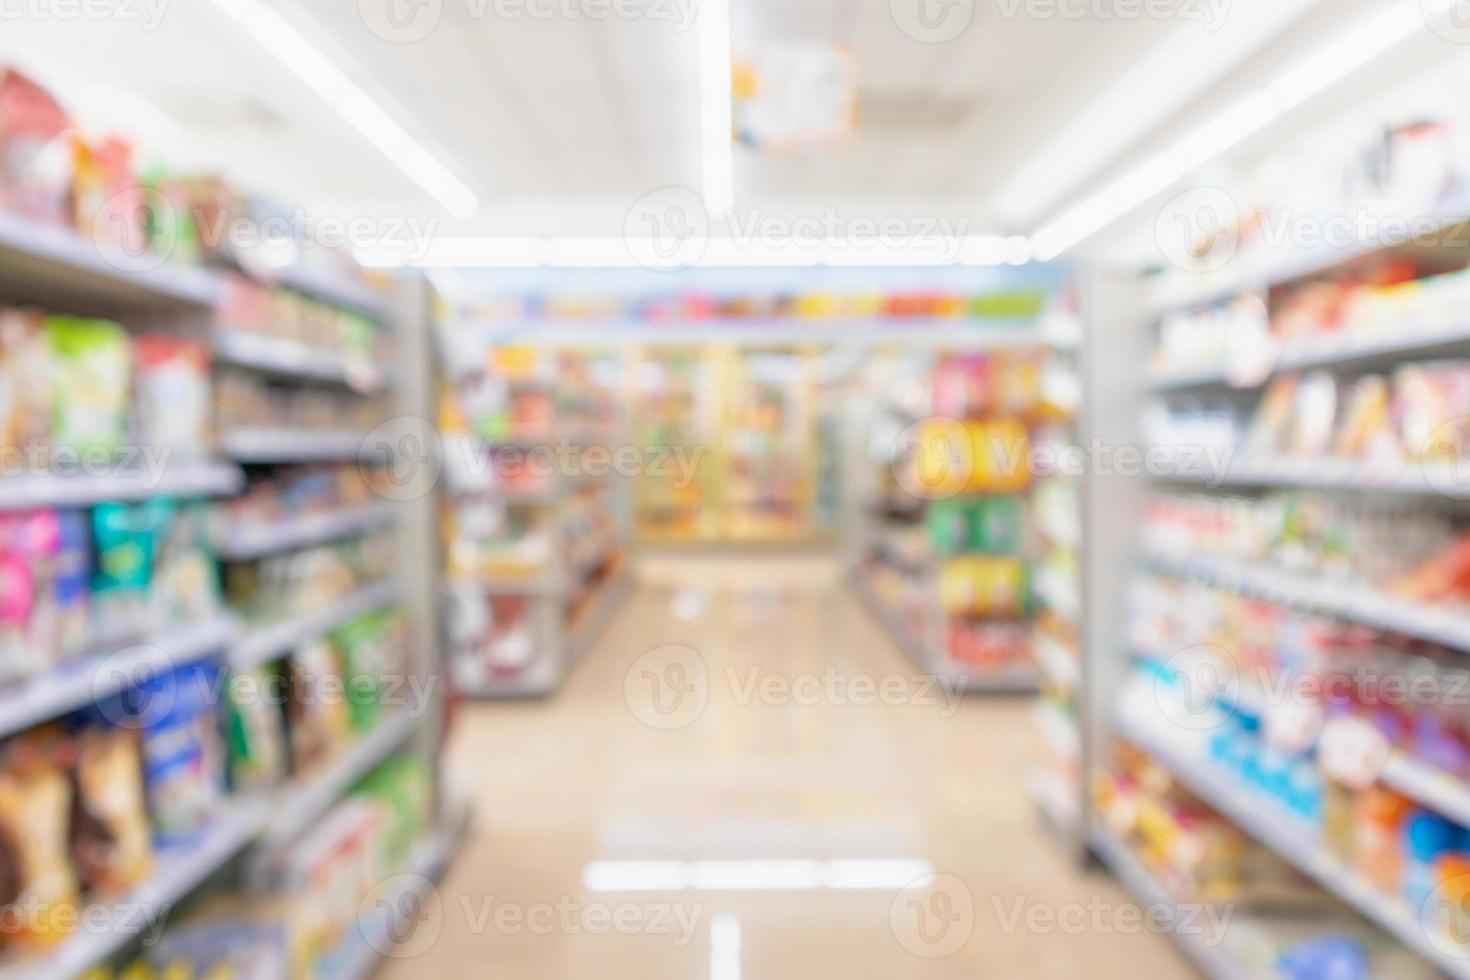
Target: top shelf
(56, 266)
(50, 264)
(337, 291)
(1278, 267)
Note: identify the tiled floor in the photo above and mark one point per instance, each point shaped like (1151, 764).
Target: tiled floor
(719, 720)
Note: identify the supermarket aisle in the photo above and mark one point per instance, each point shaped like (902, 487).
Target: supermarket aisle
(758, 775)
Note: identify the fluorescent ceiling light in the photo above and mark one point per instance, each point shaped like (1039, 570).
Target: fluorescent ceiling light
(614, 253)
(278, 37)
(1362, 44)
(717, 110)
(753, 875)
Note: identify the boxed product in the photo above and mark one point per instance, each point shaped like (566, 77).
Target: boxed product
(173, 394)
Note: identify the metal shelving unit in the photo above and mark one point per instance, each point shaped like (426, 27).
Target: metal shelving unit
(1260, 816)
(60, 270)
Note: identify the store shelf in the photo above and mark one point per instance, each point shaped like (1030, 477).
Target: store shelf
(1329, 474)
(1213, 961)
(609, 599)
(256, 445)
(394, 914)
(205, 478)
(333, 289)
(1352, 348)
(539, 680)
(291, 359)
(268, 643)
(1056, 800)
(1015, 679)
(176, 873)
(1447, 626)
(510, 585)
(57, 266)
(314, 793)
(245, 541)
(1057, 663)
(82, 681)
(1058, 593)
(898, 629)
(1446, 794)
(1289, 836)
(1265, 271)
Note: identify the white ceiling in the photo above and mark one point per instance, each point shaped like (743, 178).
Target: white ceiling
(560, 124)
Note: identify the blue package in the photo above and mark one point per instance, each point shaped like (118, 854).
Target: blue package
(1328, 958)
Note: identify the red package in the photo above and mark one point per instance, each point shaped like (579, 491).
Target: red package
(35, 151)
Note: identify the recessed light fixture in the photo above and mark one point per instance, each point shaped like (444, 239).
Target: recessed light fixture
(1338, 59)
(614, 253)
(298, 54)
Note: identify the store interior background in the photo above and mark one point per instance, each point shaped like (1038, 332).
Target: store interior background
(866, 487)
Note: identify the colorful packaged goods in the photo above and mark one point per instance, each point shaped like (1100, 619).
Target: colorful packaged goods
(35, 150)
(183, 756)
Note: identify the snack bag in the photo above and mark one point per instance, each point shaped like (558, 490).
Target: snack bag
(35, 152)
(25, 382)
(17, 600)
(173, 394)
(109, 832)
(366, 667)
(109, 203)
(37, 539)
(91, 375)
(123, 570)
(318, 721)
(35, 803)
(71, 582)
(183, 758)
(184, 585)
(255, 737)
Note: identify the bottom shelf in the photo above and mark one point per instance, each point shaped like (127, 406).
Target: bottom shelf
(1290, 837)
(177, 872)
(1209, 958)
(396, 913)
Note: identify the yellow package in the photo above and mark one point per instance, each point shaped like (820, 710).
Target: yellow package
(985, 456)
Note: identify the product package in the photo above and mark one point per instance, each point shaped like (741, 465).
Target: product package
(173, 394)
(318, 721)
(35, 807)
(109, 829)
(91, 372)
(25, 382)
(35, 150)
(256, 735)
(184, 760)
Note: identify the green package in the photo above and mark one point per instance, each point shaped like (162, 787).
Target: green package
(256, 734)
(947, 523)
(122, 571)
(91, 377)
(366, 664)
(998, 525)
